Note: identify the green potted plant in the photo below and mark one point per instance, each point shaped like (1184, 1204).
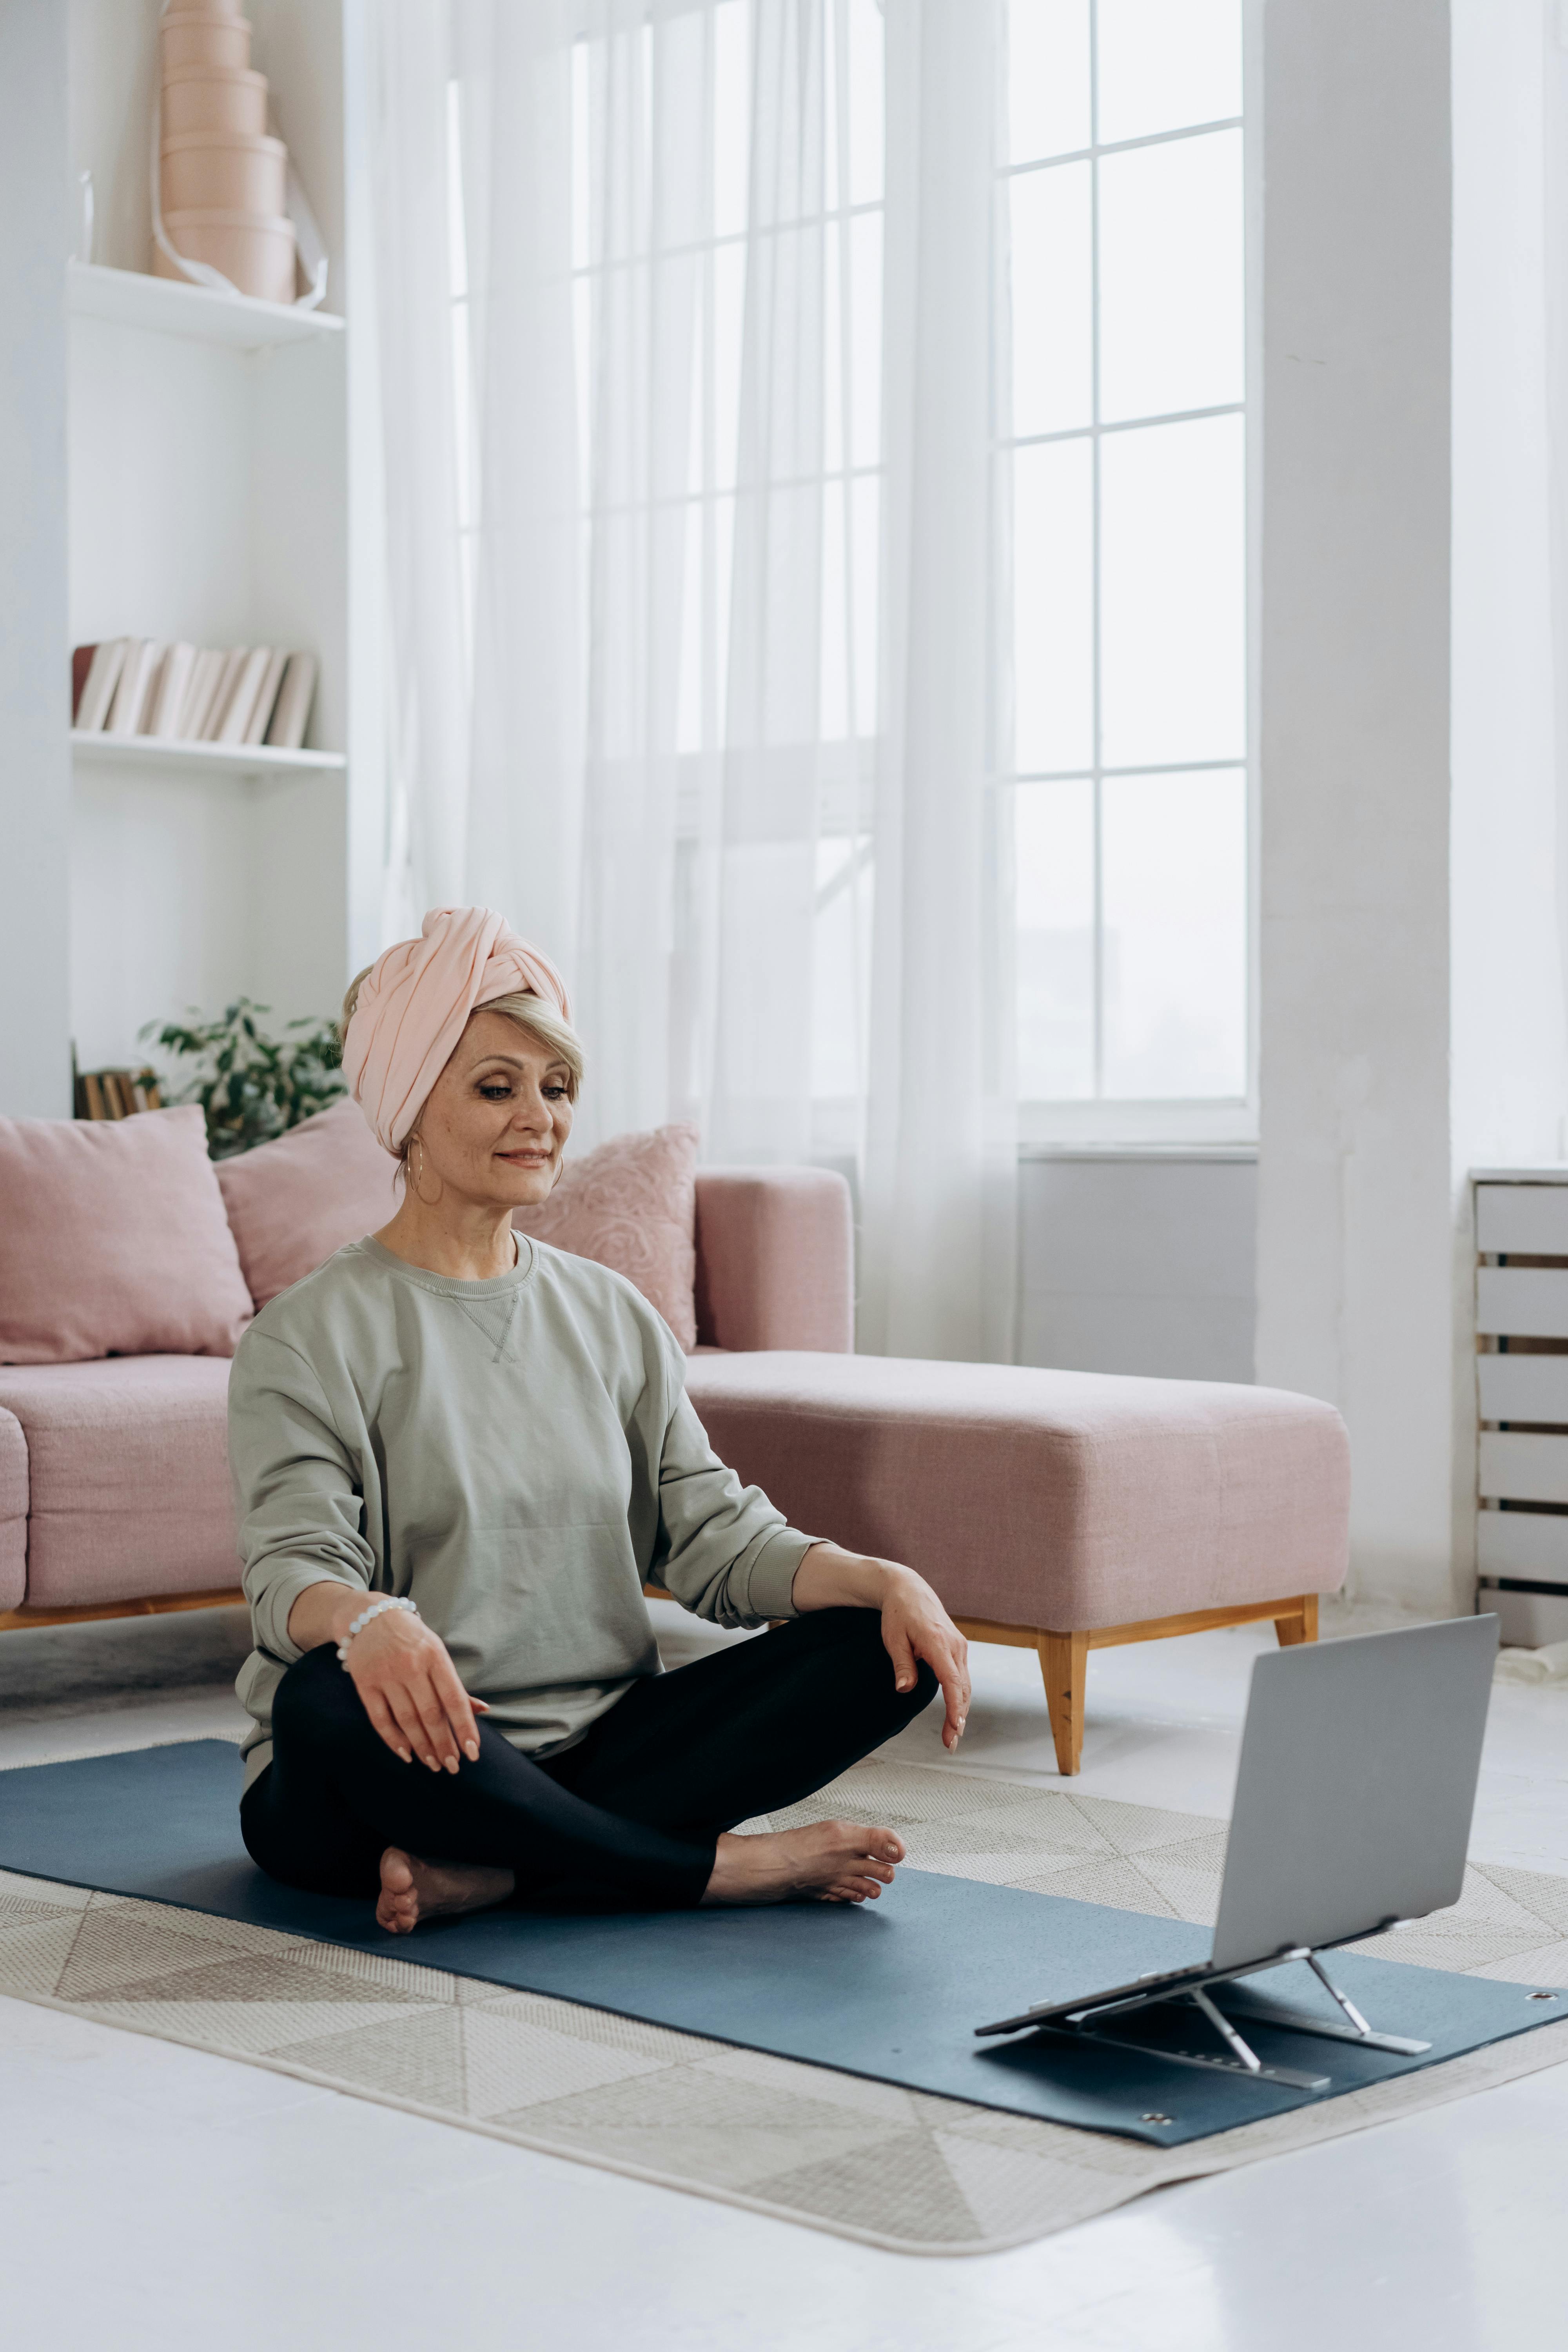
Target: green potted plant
(251, 1086)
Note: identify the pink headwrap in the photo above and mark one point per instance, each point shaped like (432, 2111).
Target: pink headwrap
(414, 1003)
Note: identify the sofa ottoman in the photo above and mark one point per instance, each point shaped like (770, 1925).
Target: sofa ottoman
(1067, 1511)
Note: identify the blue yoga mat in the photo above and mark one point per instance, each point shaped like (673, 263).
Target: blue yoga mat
(891, 1989)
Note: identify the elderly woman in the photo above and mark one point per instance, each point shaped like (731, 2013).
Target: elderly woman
(460, 1454)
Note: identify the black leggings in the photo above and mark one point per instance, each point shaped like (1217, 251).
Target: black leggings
(627, 1816)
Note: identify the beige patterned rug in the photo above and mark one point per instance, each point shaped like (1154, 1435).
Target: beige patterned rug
(866, 2160)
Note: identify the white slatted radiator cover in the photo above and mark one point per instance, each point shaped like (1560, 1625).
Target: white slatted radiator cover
(1522, 1553)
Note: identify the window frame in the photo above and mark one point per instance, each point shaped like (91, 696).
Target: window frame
(1041, 1122)
(1044, 1121)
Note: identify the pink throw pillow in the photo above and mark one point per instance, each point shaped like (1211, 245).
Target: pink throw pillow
(632, 1205)
(113, 1241)
(294, 1202)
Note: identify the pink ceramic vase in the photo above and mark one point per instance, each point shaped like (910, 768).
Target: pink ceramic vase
(218, 171)
(254, 251)
(194, 36)
(214, 98)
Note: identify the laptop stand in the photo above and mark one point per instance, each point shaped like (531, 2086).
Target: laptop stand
(1085, 2023)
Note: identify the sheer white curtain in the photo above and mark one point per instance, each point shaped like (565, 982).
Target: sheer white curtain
(641, 209)
(720, 215)
(427, 733)
(713, 509)
(468, 118)
(939, 1233)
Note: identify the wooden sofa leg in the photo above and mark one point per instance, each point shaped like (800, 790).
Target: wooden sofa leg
(1301, 1625)
(1064, 1663)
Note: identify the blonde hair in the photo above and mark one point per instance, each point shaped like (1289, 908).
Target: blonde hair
(540, 1020)
(350, 1000)
(547, 1025)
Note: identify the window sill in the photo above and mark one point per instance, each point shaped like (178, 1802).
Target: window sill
(1245, 1152)
(1047, 1127)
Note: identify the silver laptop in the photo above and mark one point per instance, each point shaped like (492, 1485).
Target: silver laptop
(1353, 1800)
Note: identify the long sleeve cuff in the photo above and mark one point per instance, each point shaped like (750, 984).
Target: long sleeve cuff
(269, 1608)
(769, 1581)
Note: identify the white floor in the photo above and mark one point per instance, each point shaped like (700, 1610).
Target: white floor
(155, 2197)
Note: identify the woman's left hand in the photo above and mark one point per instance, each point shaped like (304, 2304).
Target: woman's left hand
(916, 1626)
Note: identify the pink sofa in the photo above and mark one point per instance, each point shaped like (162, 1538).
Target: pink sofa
(1064, 1511)
(114, 1489)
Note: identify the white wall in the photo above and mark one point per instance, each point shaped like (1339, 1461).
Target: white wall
(113, 77)
(158, 913)
(1507, 1005)
(297, 45)
(1412, 991)
(1355, 1222)
(159, 485)
(34, 773)
(1138, 1263)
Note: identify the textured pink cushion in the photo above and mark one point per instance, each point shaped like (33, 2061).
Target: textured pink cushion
(13, 1512)
(291, 1204)
(632, 1205)
(774, 1258)
(1067, 1500)
(113, 1241)
(127, 1466)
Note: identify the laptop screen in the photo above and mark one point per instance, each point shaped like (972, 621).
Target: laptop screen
(1355, 1787)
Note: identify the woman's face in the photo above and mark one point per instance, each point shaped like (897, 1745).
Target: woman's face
(495, 1125)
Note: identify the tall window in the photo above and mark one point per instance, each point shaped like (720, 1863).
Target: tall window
(742, 280)
(726, 199)
(1122, 721)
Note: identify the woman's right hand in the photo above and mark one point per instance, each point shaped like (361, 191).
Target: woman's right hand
(401, 1671)
(405, 1674)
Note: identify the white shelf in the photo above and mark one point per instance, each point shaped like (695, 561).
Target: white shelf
(198, 758)
(170, 308)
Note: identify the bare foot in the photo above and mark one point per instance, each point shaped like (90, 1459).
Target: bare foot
(831, 1862)
(412, 1890)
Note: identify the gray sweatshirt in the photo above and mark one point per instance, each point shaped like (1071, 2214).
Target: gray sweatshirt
(517, 1456)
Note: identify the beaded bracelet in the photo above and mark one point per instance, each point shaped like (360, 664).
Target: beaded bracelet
(363, 1620)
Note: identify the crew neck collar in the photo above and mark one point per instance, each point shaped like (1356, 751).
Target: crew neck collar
(447, 1285)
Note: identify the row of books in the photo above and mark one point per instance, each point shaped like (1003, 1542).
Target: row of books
(191, 694)
(116, 1093)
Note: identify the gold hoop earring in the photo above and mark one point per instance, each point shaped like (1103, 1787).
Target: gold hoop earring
(413, 1174)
